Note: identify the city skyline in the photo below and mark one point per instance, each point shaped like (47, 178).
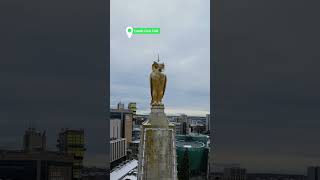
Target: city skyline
(169, 112)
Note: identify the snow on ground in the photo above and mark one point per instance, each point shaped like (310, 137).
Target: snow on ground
(120, 172)
(130, 177)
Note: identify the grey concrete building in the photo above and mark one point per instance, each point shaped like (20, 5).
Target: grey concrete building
(35, 165)
(34, 140)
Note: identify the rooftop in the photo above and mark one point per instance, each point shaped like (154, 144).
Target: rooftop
(190, 144)
(121, 110)
(120, 172)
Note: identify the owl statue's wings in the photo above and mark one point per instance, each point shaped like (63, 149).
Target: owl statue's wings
(164, 84)
(151, 88)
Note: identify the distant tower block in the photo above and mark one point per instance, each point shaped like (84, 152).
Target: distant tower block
(133, 107)
(157, 149)
(71, 141)
(34, 140)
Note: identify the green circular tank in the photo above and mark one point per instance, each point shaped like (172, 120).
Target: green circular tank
(197, 151)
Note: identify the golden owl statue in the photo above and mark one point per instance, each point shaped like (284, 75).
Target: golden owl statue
(158, 81)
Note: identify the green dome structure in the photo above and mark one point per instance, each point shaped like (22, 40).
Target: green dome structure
(198, 149)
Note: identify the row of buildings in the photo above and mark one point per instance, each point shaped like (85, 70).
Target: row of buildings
(35, 162)
(125, 133)
(191, 132)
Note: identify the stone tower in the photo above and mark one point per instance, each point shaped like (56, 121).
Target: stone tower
(157, 149)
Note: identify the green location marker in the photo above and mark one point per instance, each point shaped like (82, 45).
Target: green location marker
(139, 30)
(129, 31)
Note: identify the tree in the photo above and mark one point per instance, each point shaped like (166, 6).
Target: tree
(184, 168)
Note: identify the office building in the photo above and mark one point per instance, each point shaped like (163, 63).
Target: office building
(198, 128)
(196, 120)
(172, 118)
(133, 107)
(36, 165)
(134, 144)
(115, 128)
(118, 151)
(136, 133)
(120, 105)
(178, 127)
(34, 140)
(183, 119)
(184, 128)
(126, 116)
(120, 127)
(313, 173)
(72, 142)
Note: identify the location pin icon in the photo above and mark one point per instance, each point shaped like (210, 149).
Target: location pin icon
(129, 31)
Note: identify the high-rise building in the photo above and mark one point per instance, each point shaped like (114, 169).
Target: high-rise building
(118, 144)
(115, 128)
(133, 107)
(178, 127)
(184, 128)
(121, 125)
(183, 119)
(120, 105)
(72, 142)
(133, 147)
(313, 173)
(136, 133)
(234, 173)
(126, 116)
(118, 151)
(197, 120)
(34, 140)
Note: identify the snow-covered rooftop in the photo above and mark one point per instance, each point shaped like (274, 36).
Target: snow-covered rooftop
(130, 177)
(120, 172)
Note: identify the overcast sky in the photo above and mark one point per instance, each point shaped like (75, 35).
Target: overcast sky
(183, 45)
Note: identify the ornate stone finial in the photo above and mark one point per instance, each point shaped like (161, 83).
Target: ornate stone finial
(158, 81)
